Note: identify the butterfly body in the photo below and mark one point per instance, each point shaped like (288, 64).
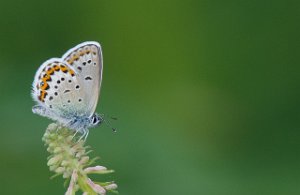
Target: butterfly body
(67, 89)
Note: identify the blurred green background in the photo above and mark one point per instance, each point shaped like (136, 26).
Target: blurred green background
(206, 93)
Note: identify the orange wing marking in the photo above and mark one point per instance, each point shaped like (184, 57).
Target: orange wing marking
(76, 57)
(47, 77)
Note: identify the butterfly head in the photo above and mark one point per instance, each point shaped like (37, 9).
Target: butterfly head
(95, 120)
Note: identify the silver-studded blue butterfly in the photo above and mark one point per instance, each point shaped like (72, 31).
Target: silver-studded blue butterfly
(67, 89)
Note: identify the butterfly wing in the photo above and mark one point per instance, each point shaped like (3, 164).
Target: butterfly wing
(57, 90)
(86, 60)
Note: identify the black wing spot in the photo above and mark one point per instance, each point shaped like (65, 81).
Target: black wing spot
(89, 61)
(50, 106)
(66, 91)
(79, 100)
(77, 86)
(95, 63)
(79, 68)
(70, 81)
(55, 93)
(69, 101)
(58, 81)
(55, 86)
(50, 98)
(83, 63)
(88, 78)
(62, 79)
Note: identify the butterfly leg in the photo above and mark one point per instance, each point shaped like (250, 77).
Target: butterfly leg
(84, 132)
(75, 134)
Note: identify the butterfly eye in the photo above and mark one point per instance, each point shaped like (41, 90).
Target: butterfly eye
(94, 120)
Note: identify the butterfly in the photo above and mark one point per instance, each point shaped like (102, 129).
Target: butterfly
(66, 89)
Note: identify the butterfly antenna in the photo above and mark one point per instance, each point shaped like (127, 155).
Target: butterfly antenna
(112, 117)
(109, 124)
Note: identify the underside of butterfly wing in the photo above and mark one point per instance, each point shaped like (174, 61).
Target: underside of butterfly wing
(67, 89)
(86, 61)
(57, 89)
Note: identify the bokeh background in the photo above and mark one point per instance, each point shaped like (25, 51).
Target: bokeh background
(206, 93)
